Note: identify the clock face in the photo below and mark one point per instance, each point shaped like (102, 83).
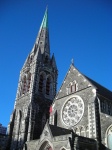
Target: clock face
(73, 111)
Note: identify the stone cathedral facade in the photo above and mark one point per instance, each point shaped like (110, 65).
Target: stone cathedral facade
(78, 117)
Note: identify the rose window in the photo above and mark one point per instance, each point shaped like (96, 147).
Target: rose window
(73, 111)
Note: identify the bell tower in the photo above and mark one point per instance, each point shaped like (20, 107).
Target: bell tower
(36, 91)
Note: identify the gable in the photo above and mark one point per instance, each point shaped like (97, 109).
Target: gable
(46, 134)
(74, 81)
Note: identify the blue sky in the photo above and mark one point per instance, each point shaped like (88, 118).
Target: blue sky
(79, 29)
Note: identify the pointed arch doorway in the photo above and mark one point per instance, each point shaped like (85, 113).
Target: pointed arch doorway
(46, 146)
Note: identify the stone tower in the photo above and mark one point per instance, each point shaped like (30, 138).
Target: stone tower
(36, 90)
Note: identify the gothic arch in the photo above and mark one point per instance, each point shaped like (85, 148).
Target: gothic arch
(28, 81)
(82, 131)
(23, 85)
(46, 59)
(42, 80)
(108, 137)
(19, 89)
(87, 131)
(49, 85)
(46, 145)
(63, 148)
(72, 87)
(18, 121)
(31, 58)
(77, 131)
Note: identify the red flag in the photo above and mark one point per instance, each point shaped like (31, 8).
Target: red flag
(50, 109)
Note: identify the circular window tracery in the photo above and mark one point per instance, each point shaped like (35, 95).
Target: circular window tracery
(73, 111)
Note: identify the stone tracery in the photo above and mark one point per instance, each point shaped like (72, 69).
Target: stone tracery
(73, 111)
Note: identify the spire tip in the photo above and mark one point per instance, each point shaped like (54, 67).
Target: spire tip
(72, 61)
(47, 7)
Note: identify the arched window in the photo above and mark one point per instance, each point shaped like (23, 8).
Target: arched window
(63, 148)
(77, 131)
(109, 137)
(31, 59)
(46, 59)
(41, 81)
(46, 146)
(87, 131)
(82, 131)
(28, 81)
(48, 82)
(109, 140)
(24, 85)
(18, 121)
(72, 87)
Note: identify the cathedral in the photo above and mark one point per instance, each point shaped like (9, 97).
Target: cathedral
(77, 117)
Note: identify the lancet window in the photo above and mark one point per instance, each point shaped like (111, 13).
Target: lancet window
(77, 131)
(18, 119)
(46, 59)
(49, 86)
(87, 131)
(82, 131)
(31, 59)
(28, 81)
(41, 82)
(72, 87)
(109, 108)
(106, 107)
(62, 148)
(46, 146)
(25, 84)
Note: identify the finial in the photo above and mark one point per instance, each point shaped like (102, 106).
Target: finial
(47, 7)
(72, 61)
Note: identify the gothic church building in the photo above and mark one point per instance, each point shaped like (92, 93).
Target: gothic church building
(78, 117)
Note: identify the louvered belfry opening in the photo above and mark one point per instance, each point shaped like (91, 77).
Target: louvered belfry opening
(48, 86)
(41, 83)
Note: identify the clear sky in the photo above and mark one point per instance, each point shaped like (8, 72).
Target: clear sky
(79, 29)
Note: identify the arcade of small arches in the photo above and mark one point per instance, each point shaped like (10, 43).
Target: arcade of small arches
(72, 87)
(25, 84)
(82, 131)
(26, 79)
(45, 84)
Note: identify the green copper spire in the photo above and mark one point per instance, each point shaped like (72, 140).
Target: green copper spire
(41, 39)
(45, 20)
